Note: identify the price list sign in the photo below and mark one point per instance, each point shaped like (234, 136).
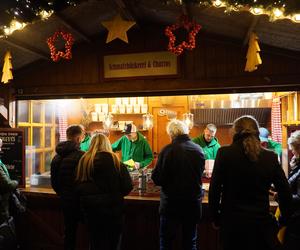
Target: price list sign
(12, 153)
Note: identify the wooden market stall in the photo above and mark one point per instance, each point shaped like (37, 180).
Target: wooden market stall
(214, 66)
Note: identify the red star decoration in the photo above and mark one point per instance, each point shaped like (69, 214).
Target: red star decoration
(56, 55)
(190, 26)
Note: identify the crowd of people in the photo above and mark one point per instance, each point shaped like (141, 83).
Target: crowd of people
(92, 181)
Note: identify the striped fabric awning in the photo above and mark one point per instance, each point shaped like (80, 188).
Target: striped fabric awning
(62, 123)
(276, 121)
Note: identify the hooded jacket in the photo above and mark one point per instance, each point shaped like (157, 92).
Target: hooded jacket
(210, 149)
(138, 150)
(63, 169)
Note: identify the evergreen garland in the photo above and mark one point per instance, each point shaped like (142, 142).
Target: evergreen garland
(290, 6)
(27, 10)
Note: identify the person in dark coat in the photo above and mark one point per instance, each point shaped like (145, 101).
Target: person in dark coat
(178, 171)
(102, 183)
(63, 167)
(8, 239)
(239, 191)
(292, 235)
(7, 186)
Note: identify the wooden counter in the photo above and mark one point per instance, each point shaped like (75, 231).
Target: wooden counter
(48, 192)
(41, 227)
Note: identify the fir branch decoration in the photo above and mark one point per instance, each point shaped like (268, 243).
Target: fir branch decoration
(27, 11)
(290, 6)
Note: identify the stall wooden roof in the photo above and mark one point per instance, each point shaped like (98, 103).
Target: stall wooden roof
(84, 22)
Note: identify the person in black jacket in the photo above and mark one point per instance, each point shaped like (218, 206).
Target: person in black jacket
(178, 171)
(292, 236)
(103, 181)
(8, 239)
(63, 167)
(7, 186)
(239, 191)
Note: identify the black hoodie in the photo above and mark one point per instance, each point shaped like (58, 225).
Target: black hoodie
(63, 169)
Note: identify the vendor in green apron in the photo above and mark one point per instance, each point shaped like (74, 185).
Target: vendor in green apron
(268, 143)
(208, 142)
(85, 144)
(134, 147)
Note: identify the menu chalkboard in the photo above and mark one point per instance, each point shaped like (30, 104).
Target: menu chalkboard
(12, 153)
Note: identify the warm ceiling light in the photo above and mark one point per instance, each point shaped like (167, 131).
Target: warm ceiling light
(108, 121)
(296, 17)
(256, 11)
(218, 3)
(188, 119)
(277, 13)
(147, 121)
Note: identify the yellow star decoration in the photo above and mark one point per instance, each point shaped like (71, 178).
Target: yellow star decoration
(117, 28)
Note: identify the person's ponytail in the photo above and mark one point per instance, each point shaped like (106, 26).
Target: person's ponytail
(246, 127)
(252, 147)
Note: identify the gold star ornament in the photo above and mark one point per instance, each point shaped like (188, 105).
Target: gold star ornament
(117, 28)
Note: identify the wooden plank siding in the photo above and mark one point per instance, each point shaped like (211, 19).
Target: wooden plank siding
(216, 65)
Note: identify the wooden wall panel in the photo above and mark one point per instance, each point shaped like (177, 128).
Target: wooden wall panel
(215, 65)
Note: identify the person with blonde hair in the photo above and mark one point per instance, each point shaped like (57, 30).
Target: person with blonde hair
(178, 171)
(102, 182)
(292, 235)
(239, 191)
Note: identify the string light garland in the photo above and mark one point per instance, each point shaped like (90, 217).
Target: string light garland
(55, 54)
(278, 9)
(191, 26)
(27, 11)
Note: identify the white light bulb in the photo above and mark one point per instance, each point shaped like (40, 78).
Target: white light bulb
(217, 3)
(45, 14)
(6, 31)
(296, 17)
(17, 25)
(277, 13)
(256, 11)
